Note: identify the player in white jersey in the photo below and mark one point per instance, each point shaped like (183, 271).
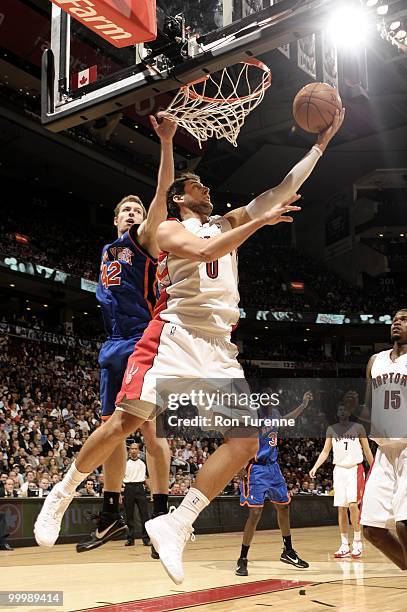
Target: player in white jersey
(384, 505)
(189, 337)
(349, 442)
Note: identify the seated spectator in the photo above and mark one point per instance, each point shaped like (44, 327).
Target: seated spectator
(9, 488)
(89, 489)
(44, 486)
(29, 483)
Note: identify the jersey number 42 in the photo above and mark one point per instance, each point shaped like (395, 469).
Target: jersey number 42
(111, 274)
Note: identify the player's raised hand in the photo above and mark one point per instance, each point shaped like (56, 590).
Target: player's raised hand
(278, 213)
(307, 398)
(165, 127)
(326, 136)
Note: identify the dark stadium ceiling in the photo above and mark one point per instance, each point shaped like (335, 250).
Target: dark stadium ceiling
(374, 136)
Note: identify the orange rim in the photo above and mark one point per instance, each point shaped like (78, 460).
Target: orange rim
(252, 61)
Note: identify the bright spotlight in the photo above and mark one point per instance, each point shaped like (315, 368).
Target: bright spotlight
(383, 9)
(347, 27)
(371, 2)
(395, 25)
(401, 34)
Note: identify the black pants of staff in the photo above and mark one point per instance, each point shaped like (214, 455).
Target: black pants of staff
(135, 495)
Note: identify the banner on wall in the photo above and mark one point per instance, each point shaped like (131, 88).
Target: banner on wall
(329, 62)
(307, 55)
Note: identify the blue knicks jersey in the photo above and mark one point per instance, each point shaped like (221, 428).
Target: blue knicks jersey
(127, 287)
(268, 451)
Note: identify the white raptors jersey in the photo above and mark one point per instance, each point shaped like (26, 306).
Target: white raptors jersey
(199, 295)
(389, 400)
(346, 446)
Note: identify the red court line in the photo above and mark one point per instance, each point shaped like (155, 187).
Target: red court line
(207, 596)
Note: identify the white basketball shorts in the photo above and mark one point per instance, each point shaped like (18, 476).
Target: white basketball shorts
(385, 496)
(348, 485)
(173, 357)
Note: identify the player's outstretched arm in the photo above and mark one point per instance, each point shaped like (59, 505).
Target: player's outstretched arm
(300, 409)
(324, 454)
(173, 238)
(291, 183)
(157, 212)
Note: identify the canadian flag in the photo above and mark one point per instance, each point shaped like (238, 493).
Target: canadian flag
(84, 77)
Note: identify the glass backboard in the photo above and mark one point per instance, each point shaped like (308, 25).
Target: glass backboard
(85, 77)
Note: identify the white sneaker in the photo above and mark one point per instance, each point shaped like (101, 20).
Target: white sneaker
(344, 551)
(48, 523)
(357, 549)
(169, 537)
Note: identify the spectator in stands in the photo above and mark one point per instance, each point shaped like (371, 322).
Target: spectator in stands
(44, 486)
(3, 479)
(29, 482)
(89, 489)
(9, 488)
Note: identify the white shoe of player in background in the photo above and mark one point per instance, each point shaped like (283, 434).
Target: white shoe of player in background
(169, 536)
(48, 523)
(357, 549)
(344, 551)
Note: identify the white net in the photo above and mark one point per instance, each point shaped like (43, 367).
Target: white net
(218, 105)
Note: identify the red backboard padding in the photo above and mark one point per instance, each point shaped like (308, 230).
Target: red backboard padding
(120, 22)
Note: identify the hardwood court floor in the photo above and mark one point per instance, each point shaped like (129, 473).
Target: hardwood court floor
(115, 578)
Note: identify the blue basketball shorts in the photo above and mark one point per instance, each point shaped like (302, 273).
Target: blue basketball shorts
(113, 358)
(263, 482)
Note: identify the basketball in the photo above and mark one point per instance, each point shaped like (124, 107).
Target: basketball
(315, 105)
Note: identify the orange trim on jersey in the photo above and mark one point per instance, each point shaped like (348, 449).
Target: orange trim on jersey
(105, 417)
(246, 503)
(142, 251)
(281, 503)
(246, 481)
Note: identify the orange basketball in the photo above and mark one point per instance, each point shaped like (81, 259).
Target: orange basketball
(315, 105)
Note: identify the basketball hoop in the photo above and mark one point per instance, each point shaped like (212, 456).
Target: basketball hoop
(217, 105)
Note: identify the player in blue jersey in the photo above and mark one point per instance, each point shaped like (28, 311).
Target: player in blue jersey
(262, 479)
(127, 294)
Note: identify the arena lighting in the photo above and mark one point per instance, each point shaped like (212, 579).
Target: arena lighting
(395, 25)
(383, 9)
(396, 33)
(371, 2)
(347, 27)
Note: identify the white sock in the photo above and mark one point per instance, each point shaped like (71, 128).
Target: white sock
(191, 506)
(344, 539)
(72, 480)
(357, 536)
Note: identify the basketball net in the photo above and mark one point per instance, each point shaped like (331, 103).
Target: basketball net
(222, 113)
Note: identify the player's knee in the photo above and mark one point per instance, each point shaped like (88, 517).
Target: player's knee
(121, 424)
(282, 509)
(156, 446)
(255, 514)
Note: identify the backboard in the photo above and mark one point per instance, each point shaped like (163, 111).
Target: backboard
(85, 77)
